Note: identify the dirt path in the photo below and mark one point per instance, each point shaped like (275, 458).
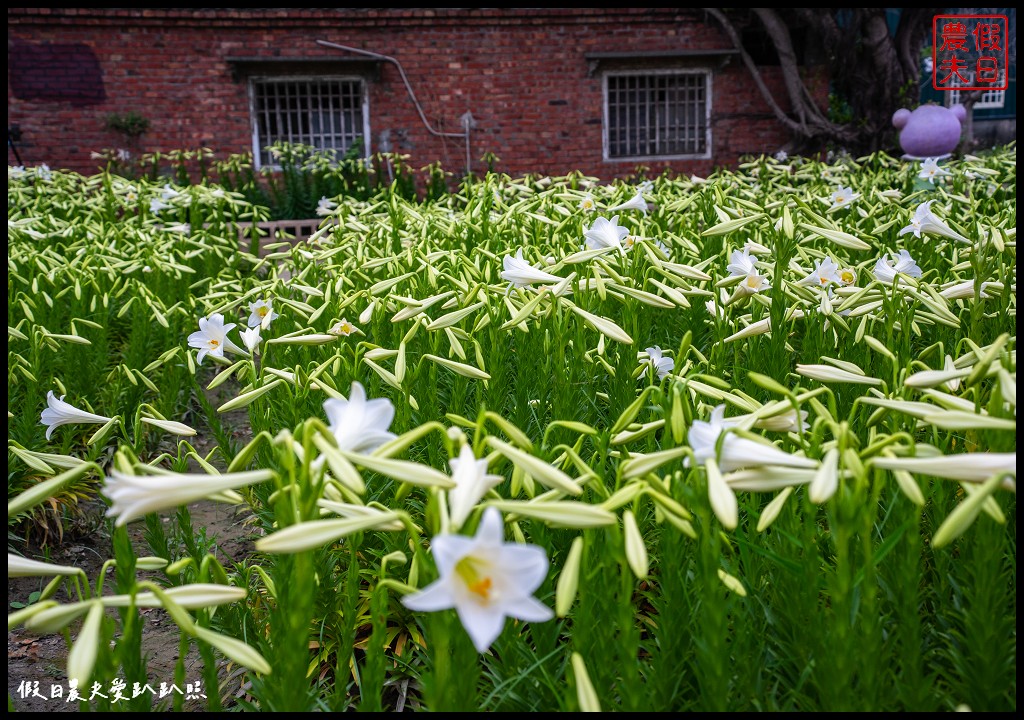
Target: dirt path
(42, 659)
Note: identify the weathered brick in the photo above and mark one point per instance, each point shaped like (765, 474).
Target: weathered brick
(521, 72)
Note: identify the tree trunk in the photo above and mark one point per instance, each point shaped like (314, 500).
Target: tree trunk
(874, 72)
(968, 100)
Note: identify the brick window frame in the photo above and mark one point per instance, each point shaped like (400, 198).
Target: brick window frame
(632, 96)
(328, 112)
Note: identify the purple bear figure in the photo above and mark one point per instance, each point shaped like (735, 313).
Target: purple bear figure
(930, 131)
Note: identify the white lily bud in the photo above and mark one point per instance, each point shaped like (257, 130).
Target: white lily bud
(569, 578)
(732, 582)
(772, 509)
(545, 473)
(234, 649)
(826, 479)
(721, 496)
(83, 654)
(830, 374)
(365, 315)
(314, 533)
(969, 467)
(558, 513)
(636, 550)
(585, 693)
(18, 566)
(170, 426)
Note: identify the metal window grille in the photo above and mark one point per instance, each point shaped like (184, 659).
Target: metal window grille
(989, 99)
(325, 113)
(659, 114)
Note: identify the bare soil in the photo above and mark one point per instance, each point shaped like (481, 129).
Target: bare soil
(33, 658)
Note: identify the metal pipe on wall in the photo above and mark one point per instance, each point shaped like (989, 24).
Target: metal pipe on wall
(466, 119)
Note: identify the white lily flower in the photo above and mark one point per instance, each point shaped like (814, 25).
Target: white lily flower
(325, 207)
(953, 384)
(636, 202)
(737, 452)
(847, 276)
(662, 365)
(753, 283)
(212, 338)
(925, 221)
(485, 580)
(520, 273)
(902, 263)
(605, 233)
(342, 328)
(741, 263)
(133, 496)
(168, 192)
(825, 271)
(156, 205)
(251, 339)
(587, 203)
(43, 172)
(59, 413)
(360, 425)
(717, 310)
(261, 313)
(842, 197)
(471, 484)
(930, 170)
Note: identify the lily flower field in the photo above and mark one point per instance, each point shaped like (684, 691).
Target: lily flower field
(736, 443)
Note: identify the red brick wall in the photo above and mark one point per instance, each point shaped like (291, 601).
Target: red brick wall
(521, 73)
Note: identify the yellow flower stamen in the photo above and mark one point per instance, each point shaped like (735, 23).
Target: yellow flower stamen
(470, 571)
(482, 588)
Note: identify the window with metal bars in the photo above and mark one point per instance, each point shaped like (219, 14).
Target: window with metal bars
(324, 113)
(657, 114)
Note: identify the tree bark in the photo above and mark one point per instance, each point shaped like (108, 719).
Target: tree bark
(874, 71)
(968, 100)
